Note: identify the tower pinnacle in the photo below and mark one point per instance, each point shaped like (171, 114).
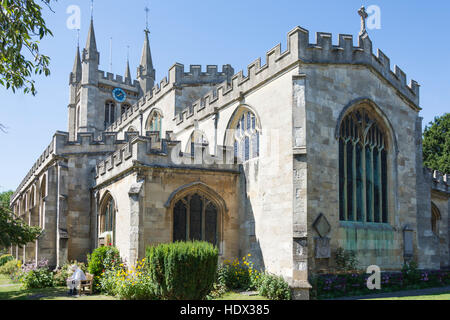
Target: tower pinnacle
(362, 12)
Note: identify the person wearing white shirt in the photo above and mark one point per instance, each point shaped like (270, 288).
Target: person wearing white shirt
(73, 282)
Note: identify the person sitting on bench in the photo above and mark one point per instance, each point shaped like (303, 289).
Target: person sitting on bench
(73, 282)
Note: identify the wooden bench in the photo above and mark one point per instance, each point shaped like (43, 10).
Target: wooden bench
(86, 286)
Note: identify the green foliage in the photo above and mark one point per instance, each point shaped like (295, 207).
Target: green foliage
(238, 274)
(61, 275)
(183, 270)
(135, 283)
(345, 260)
(13, 230)
(5, 258)
(21, 29)
(411, 273)
(101, 260)
(38, 278)
(274, 287)
(10, 267)
(436, 144)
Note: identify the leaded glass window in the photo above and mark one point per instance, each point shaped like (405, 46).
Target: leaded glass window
(195, 217)
(246, 137)
(154, 122)
(362, 169)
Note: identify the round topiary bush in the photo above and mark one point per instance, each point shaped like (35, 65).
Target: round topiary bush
(183, 270)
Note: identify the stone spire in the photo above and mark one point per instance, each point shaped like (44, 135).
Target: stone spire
(127, 72)
(91, 44)
(146, 72)
(76, 71)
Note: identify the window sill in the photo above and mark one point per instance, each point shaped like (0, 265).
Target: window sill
(366, 225)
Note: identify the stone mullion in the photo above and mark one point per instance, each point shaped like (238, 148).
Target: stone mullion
(373, 184)
(364, 182)
(380, 188)
(188, 218)
(203, 218)
(345, 182)
(355, 202)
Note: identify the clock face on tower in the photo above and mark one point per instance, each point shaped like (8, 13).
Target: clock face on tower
(119, 95)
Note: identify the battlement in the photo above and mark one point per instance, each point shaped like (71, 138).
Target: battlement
(196, 76)
(154, 152)
(299, 49)
(118, 79)
(439, 180)
(41, 162)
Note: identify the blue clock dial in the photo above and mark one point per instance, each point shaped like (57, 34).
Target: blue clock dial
(119, 95)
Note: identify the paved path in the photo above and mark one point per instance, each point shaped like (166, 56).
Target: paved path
(408, 293)
(7, 285)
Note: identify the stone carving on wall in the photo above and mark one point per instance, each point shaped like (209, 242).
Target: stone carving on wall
(322, 243)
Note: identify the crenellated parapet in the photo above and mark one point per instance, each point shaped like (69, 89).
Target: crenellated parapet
(195, 75)
(151, 151)
(117, 80)
(439, 181)
(299, 49)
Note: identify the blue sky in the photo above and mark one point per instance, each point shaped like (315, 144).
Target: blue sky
(413, 34)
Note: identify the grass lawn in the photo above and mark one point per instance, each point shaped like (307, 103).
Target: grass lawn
(238, 296)
(443, 296)
(14, 291)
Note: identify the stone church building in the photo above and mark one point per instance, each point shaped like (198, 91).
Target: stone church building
(319, 148)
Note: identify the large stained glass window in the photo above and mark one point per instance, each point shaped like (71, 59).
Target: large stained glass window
(195, 217)
(362, 169)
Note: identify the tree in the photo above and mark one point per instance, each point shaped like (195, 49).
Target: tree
(436, 144)
(13, 230)
(21, 28)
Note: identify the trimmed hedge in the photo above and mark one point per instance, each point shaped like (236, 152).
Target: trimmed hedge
(183, 270)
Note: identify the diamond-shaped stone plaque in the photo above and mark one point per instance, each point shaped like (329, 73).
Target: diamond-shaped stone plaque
(322, 226)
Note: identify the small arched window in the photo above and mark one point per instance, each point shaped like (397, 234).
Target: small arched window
(195, 217)
(246, 135)
(435, 219)
(110, 113)
(363, 186)
(154, 122)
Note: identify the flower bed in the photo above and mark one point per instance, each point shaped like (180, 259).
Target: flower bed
(339, 285)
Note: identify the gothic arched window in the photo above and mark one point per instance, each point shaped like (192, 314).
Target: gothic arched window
(154, 122)
(246, 136)
(110, 113)
(435, 219)
(107, 223)
(195, 217)
(363, 193)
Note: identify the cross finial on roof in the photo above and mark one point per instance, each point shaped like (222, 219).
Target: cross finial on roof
(362, 12)
(147, 10)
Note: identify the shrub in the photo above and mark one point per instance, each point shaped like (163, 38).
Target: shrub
(411, 273)
(183, 270)
(135, 283)
(38, 278)
(274, 288)
(34, 276)
(10, 268)
(345, 260)
(5, 258)
(101, 260)
(239, 274)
